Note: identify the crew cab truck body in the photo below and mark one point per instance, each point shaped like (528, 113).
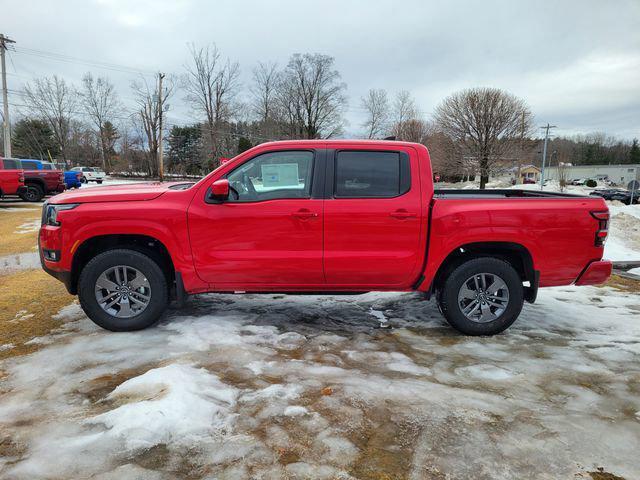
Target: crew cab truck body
(320, 216)
(12, 183)
(39, 181)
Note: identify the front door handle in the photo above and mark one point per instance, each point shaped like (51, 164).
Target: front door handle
(304, 214)
(402, 214)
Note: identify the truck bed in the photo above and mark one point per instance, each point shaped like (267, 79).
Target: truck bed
(499, 193)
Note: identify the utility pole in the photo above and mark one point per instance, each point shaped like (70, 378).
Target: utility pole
(5, 98)
(160, 106)
(544, 151)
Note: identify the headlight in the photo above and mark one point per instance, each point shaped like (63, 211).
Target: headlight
(50, 212)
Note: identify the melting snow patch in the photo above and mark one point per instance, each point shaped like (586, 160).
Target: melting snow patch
(485, 372)
(172, 404)
(295, 410)
(28, 227)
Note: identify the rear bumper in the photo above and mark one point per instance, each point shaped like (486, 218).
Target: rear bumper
(596, 273)
(61, 188)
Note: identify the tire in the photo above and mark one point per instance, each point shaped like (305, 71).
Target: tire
(133, 261)
(458, 292)
(83, 179)
(34, 193)
(98, 182)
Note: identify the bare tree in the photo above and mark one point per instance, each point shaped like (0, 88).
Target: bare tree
(404, 110)
(377, 108)
(51, 99)
(311, 96)
(211, 86)
(486, 121)
(148, 115)
(263, 91)
(101, 103)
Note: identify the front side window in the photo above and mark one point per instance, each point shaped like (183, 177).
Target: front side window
(271, 176)
(360, 174)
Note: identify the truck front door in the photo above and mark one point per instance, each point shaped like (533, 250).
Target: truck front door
(269, 232)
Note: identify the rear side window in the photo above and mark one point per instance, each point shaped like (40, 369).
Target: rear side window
(360, 174)
(28, 165)
(10, 164)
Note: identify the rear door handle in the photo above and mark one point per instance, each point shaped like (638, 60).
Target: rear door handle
(304, 214)
(402, 214)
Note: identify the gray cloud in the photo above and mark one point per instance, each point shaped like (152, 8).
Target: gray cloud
(577, 63)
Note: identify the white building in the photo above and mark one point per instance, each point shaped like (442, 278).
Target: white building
(618, 174)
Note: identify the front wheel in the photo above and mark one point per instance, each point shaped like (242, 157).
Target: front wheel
(83, 180)
(483, 296)
(123, 290)
(98, 182)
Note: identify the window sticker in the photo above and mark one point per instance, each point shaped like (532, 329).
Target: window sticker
(280, 175)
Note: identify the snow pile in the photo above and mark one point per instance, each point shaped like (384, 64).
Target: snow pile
(623, 242)
(172, 404)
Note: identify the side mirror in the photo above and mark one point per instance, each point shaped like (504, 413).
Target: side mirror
(220, 190)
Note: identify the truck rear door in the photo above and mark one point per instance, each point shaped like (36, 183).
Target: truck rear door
(372, 217)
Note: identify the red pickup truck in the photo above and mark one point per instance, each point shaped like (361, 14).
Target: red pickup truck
(39, 182)
(316, 217)
(12, 183)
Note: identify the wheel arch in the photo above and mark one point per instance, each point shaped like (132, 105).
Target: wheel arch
(517, 255)
(144, 244)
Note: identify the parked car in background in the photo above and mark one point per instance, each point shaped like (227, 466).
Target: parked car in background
(90, 174)
(319, 216)
(618, 194)
(12, 182)
(39, 182)
(72, 179)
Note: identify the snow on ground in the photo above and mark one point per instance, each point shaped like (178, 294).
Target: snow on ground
(275, 386)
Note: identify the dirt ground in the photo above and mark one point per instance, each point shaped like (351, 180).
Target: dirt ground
(275, 386)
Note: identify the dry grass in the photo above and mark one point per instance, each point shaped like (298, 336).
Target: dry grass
(623, 283)
(28, 300)
(12, 242)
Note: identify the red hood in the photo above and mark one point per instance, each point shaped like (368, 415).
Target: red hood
(126, 192)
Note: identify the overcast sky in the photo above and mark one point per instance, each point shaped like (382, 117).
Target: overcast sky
(576, 63)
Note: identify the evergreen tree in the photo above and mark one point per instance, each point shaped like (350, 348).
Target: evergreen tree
(185, 153)
(634, 152)
(244, 144)
(33, 138)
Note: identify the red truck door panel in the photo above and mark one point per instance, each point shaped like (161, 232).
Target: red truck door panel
(270, 230)
(373, 217)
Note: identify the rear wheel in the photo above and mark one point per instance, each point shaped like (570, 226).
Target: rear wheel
(83, 179)
(123, 290)
(98, 181)
(34, 193)
(483, 296)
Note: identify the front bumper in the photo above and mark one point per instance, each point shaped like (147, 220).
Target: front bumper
(63, 275)
(596, 273)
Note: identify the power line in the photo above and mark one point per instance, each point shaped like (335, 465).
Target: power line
(75, 60)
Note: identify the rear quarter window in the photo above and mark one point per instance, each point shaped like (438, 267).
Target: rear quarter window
(28, 165)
